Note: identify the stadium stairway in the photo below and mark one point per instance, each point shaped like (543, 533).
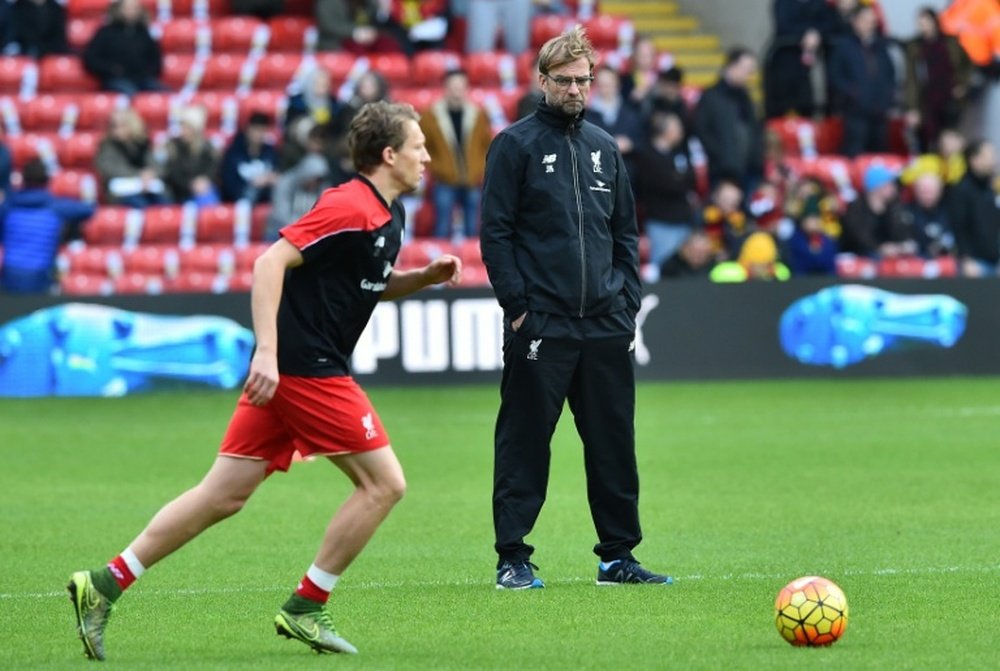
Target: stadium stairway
(697, 52)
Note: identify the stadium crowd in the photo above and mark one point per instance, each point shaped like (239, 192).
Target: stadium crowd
(201, 127)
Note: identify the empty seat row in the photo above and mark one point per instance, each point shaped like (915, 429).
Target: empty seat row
(165, 260)
(182, 225)
(161, 9)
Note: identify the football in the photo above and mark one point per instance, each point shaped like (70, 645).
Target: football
(811, 611)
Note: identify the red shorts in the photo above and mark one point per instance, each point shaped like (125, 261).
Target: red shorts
(309, 415)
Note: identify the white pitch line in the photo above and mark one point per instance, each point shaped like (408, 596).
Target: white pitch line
(887, 571)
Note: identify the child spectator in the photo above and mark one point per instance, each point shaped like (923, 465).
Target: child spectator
(125, 164)
(34, 223)
(724, 220)
(811, 250)
(757, 260)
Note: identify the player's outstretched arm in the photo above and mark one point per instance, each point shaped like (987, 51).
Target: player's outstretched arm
(445, 268)
(265, 297)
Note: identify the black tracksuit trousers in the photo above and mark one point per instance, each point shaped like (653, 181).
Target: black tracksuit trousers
(597, 377)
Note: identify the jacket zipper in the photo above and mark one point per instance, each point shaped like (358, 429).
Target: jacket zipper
(579, 211)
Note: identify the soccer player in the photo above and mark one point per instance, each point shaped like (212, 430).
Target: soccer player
(313, 293)
(561, 245)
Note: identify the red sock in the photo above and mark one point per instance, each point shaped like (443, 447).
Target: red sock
(307, 589)
(121, 572)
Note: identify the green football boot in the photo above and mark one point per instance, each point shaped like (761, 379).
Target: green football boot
(92, 612)
(315, 629)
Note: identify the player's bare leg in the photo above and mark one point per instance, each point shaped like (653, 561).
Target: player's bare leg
(220, 494)
(378, 485)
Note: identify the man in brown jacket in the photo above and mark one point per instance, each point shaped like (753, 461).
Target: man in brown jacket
(458, 136)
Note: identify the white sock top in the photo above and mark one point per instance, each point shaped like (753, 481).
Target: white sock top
(325, 581)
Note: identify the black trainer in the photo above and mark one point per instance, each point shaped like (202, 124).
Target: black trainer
(518, 575)
(629, 572)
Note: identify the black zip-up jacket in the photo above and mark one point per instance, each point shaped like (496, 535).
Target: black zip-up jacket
(559, 233)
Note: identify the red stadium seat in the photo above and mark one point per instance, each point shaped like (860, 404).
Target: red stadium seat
(160, 260)
(546, 26)
(222, 108)
(95, 109)
(469, 252)
(337, 63)
(259, 216)
(420, 98)
(236, 34)
(806, 137)
(138, 283)
(475, 276)
(240, 282)
(202, 283)
(395, 68)
(79, 149)
(276, 71)
(64, 74)
(245, 256)
(914, 267)
(429, 67)
(506, 99)
(45, 113)
(179, 71)
(12, 73)
(154, 108)
(80, 30)
(185, 35)
(213, 259)
(88, 259)
(27, 146)
(491, 69)
(526, 70)
(835, 172)
(421, 251)
(94, 9)
(216, 223)
(269, 102)
(79, 184)
(163, 224)
(854, 267)
(290, 33)
(609, 32)
(81, 284)
(223, 72)
(113, 225)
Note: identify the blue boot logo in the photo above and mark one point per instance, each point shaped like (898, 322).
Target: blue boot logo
(843, 325)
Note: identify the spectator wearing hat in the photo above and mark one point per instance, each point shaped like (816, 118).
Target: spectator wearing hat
(930, 218)
(875, 224)
(34, 223)
(811, 250)
(757, 260)
(249, 163)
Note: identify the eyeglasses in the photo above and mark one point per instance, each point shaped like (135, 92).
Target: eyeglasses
(564, 82)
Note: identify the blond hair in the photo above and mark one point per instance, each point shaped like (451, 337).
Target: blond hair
(566, 48)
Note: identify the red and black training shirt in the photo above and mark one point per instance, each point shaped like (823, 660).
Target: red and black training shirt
(349, 241)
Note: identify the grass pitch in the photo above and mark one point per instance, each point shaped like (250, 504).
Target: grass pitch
(889, 488)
